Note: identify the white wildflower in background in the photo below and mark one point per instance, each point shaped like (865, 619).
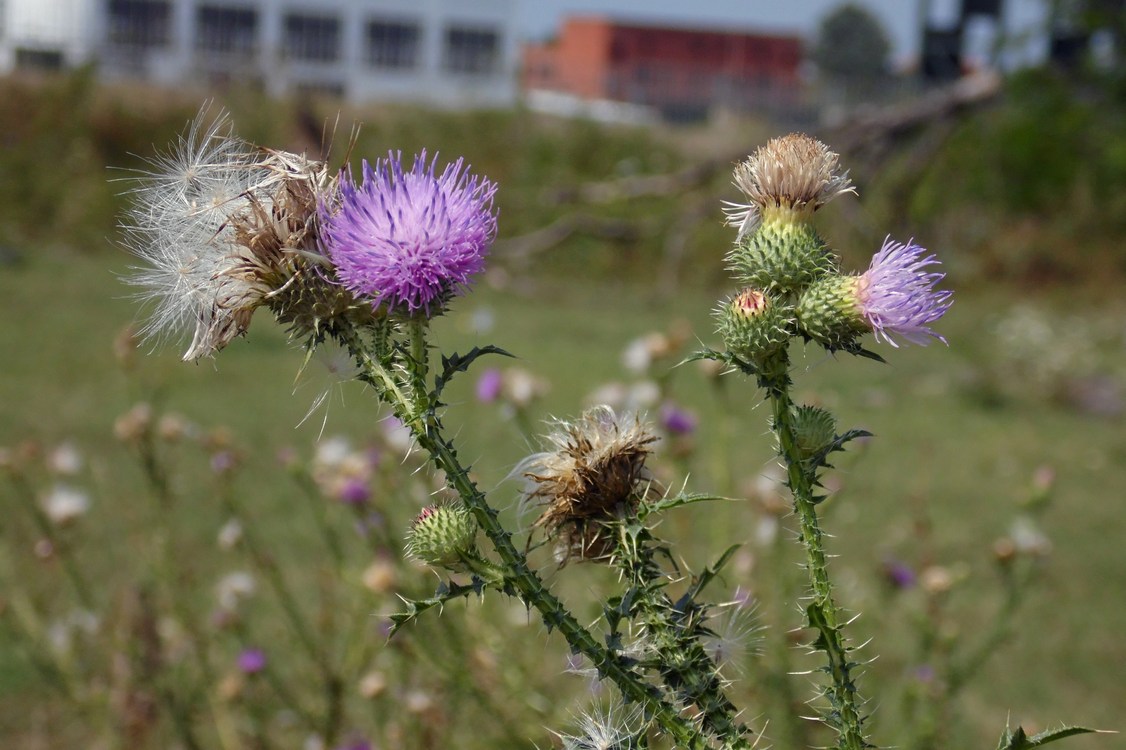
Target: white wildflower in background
(65, 459)
(230, 534)
(233, 588)
(64, 504)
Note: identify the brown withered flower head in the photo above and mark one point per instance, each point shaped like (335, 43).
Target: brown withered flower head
(594, 474)
(794, 172)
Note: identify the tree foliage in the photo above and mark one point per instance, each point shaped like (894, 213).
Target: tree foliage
(851, 44)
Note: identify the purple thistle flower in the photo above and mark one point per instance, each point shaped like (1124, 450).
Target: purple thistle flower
(677, 421)
(489, 385)
(251, 661)
(409, 239)
(896, 296)
(353, 491)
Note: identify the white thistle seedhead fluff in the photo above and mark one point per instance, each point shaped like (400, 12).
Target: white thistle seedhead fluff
(606, 727)
(221, 227)
(794, 171)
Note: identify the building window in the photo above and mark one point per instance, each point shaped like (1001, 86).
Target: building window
(226, 30)
(313, 38)
(139, 24)
(39, 59)
(393, 44)
(474, 51)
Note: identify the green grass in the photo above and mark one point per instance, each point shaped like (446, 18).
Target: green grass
(938, 454)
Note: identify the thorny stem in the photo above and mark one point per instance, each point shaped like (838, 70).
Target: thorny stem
(822, 612)
(520, 580)
(685, 666)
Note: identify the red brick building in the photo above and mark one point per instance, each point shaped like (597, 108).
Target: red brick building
(682, 72)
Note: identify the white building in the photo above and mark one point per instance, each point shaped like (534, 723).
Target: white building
(445, 52)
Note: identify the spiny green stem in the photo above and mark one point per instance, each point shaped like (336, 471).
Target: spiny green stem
(519, 578)
(686, 668)
(822, 611)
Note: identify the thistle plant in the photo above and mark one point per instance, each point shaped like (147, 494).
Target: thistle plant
(367, 262)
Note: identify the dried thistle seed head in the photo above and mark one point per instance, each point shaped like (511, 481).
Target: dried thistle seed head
(594, 474)
(792, 172)
(224, 227)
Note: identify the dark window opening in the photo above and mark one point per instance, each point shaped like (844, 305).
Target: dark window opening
(140, 24)
(225, 30)
(392, 44)
(313, 38)
(474, 51)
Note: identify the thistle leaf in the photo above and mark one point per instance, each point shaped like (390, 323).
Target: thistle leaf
(456, 363)
(447, 591)
(1018, 740)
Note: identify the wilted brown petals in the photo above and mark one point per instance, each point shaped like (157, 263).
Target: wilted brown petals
(794, 171)
(595, 474)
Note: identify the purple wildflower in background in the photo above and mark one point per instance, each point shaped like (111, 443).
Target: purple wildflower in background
(896, 296)
(677, 421)
(489, 385)
(251, 661)
(353, 491)
(899, 574)
(410, 239)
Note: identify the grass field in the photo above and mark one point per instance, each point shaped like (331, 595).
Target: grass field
(959, 435)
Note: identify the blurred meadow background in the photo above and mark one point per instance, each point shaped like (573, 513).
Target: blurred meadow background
(205, 555)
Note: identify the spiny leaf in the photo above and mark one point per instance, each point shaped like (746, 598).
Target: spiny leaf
(447, 591)
(727, 358)
(1018, 740)
(456, 363)
(677, 501)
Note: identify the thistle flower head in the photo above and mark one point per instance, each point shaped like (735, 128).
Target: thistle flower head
(223, 227)
(410, 240)
(793, 172)
(753, 324)
(897, 296)
(594, 474)
(441, 535)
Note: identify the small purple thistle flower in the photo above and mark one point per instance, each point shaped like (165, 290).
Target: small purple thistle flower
(896, 296)
(489, 385)
(251, 660)
(353, 491)
(677, 421)
(409, 239)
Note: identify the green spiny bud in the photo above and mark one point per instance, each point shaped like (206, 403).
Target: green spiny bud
(828, 312)
(753, 325)
(442, 535)
(814, 430)
(784, 253)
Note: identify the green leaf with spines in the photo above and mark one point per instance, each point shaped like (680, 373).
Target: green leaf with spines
(455, 363)
(447, 591)
(1019, 740)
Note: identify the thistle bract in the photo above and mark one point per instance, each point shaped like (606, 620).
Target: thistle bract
(442, 535)
(753, 325)
(409, 240)
(814, 430)
(781, 254)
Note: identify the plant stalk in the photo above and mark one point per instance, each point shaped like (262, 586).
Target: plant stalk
(822, 612)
